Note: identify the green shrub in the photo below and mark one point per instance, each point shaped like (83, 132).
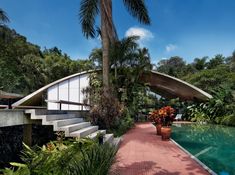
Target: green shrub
(200, 117)
(124, 124)
(228, 120)
(219, 109)
(83, 157)
(218, 120)
(107, 111)
(209, 79)
(196, 113)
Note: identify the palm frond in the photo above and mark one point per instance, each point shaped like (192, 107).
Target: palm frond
(96, 57)
(88, 11)
(137, 9)
(130, 42)
(3, 17)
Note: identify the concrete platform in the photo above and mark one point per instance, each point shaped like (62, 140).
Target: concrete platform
(142, 152)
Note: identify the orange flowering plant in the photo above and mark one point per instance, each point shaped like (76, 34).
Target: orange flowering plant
(154, 117)
(164, 116)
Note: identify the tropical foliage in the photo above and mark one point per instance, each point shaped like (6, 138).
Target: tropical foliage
(3, 17)
(24, 67)
(82, 157)
(219, 109)
(215, 76)
(163, 116)
(107, 111)
(89, 9)
(128, 61)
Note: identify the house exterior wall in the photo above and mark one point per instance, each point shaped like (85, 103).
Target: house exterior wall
(68, 90)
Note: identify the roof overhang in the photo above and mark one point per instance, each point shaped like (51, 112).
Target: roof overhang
(171, 87)
(35, 98)
(7, 95)
(162, 84)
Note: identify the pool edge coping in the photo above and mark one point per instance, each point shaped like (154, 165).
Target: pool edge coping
(194, 158)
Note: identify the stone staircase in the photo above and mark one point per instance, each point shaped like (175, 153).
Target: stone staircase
(72, 124)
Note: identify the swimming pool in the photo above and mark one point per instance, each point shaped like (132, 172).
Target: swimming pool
(214, 145)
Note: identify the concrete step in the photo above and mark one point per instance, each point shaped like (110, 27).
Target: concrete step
(117, 141)
(72, 124)
(38, 117)
(59, 117)
(57, 124)
(52, 117)
(108, 138)
(84, 132)
(43, 112)
(65, 122)
(35, 112)
(74, 127)
(94, 134)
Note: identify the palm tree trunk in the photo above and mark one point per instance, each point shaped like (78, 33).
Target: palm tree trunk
(105, 44)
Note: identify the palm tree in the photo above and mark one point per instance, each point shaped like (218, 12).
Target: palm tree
(89, 9)
(124, 53)
(120, 52)
(96, 57)
(3, 17)
(144, 59)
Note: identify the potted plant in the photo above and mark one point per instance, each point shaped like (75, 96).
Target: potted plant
(167, 119)
(156, 119)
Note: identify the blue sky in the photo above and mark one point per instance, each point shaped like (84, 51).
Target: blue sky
(186, 28)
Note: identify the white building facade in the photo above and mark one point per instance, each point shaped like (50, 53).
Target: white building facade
(71, 90)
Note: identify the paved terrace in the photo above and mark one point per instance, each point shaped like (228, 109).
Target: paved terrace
(142, 152)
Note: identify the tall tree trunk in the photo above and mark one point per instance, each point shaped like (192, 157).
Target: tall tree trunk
(105, 44)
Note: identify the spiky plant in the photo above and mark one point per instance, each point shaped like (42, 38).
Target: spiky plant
(83, 157)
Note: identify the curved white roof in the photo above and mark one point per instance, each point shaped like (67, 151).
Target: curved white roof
(165, 85)
(36, 97)
(171, 87)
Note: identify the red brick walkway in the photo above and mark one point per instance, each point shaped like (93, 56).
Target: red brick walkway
(143, 153)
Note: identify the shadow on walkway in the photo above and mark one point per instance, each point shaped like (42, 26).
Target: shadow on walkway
(142, 152)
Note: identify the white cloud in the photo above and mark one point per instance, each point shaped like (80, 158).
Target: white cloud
(144, 34)
(170, 47)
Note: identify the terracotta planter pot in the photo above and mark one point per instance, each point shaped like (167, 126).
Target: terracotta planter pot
(166, 133)
(158, 128)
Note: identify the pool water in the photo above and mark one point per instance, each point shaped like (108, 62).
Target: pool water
(213, 145)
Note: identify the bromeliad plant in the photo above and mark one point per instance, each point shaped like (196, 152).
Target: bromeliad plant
(163, 116)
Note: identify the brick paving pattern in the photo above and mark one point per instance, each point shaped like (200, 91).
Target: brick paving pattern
(142, 152)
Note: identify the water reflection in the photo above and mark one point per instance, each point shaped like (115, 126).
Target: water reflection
(212, 144)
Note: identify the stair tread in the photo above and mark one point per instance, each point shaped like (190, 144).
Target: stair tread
(93, 135)
(82, 130)
(117, 141)
(107, 137)
(40, 115)
(59, 114)
(76, 124)
(58, 120)
(71, 125)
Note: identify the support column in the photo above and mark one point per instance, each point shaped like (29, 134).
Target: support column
(27, 134)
